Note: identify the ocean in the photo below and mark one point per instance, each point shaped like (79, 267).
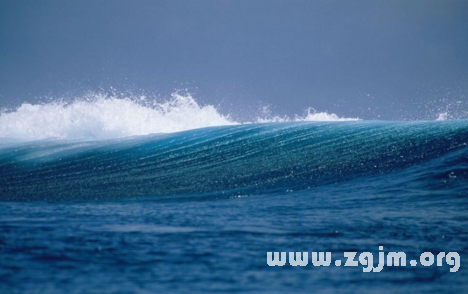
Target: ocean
(176, 198)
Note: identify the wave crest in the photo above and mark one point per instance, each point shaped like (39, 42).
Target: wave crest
(104, 117)
(99, 116)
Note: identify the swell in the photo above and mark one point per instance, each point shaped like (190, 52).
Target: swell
(241, 159)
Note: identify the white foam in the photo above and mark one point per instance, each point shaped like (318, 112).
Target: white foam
(442, 116)
(313, 115)
(310, 115)
(100, 117)
(107, 117)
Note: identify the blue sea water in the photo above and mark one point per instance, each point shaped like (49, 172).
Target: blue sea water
(197, 211)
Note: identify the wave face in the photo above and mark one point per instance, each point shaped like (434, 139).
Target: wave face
(238, 160)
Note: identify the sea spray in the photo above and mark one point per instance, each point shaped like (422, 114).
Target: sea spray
(101, 117)
(106, 117)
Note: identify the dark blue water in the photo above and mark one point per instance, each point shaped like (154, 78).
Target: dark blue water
(197, 212)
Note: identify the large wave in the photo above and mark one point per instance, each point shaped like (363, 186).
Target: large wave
(100, 116)
(240, 159)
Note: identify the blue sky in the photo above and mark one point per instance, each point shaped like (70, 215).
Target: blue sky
(372, 59)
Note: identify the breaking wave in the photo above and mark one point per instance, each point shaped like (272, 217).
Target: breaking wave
(239, 160)
(101, 117)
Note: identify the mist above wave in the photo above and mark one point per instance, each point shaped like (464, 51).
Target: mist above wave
(100, 116)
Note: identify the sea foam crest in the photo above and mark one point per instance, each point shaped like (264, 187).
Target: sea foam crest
(100, 117)
(310, 115)
(107, 117)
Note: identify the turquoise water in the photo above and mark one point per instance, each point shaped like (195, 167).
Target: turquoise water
(197, 211)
